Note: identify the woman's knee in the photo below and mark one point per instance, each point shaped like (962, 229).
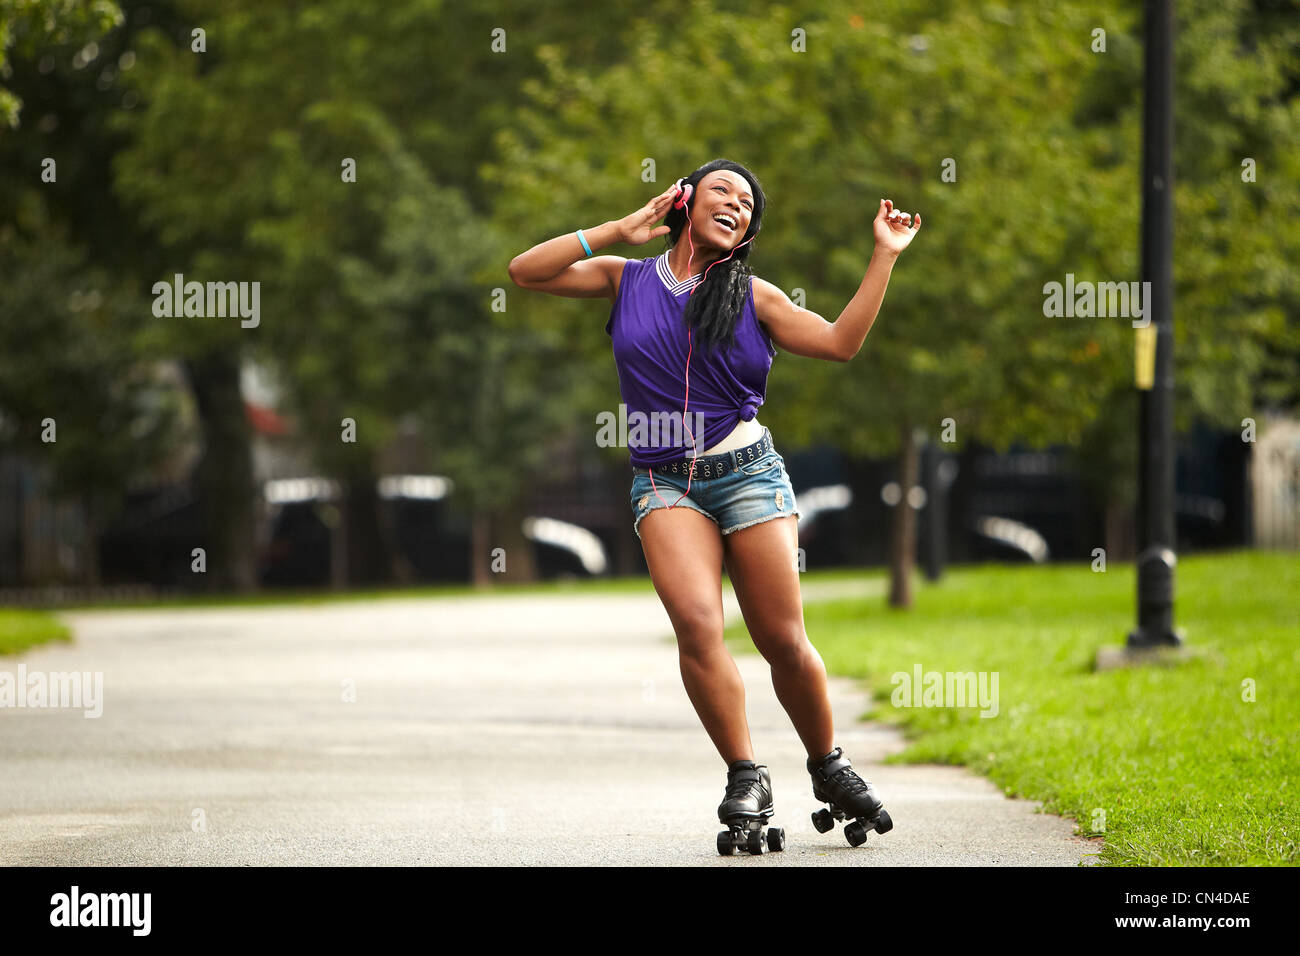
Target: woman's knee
(787, 648)
(699, 629)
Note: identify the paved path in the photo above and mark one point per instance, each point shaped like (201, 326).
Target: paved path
(500, 731)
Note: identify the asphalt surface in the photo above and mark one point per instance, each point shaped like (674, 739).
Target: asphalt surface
(502, 731)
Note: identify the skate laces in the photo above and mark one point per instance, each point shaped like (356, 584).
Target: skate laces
(845, 776)
(850, 781)
(740, 787)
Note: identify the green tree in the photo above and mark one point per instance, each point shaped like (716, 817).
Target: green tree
(1042, 134)
(377, 293)
(29, 26)
(74, 345)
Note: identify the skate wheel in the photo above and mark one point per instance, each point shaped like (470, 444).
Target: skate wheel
(775, 839)
(855, 833)
(823, 821)
(883, 823)
(755, 845)
(725, 846)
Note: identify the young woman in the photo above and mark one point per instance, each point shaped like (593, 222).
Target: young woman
(694, 330)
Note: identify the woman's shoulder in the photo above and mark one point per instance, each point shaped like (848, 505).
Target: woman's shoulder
(761, 293)
(623, 273)
(763, 298)
(624, 269)
(627, 268)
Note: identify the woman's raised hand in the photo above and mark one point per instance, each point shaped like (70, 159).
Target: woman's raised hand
(894, 228)
(639, 227)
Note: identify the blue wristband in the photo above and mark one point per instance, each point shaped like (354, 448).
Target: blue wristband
(583, 239)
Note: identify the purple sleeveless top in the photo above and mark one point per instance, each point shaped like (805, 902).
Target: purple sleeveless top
(647, 324)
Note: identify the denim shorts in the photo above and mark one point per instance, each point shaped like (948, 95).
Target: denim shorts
(745, 494)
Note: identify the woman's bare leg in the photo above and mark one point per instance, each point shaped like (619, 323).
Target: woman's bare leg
(760, 563)
(683, 549)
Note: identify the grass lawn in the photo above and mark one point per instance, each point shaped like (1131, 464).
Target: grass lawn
(1169, 764)
(20, 630)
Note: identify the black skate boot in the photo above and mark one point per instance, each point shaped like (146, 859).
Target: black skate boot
(848, 795)
(745, 810)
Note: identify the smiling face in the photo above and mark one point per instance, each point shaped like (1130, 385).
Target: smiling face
(722, 208)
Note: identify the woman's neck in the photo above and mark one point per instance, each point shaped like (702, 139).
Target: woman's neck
(680, 254)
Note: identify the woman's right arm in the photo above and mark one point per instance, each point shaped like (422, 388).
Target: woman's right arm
(560, 266)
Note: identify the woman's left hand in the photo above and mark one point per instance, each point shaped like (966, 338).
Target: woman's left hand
(893, 228)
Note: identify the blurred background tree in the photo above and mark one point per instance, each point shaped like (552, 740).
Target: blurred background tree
(1042, 134)
(31, 27)
(477, 131)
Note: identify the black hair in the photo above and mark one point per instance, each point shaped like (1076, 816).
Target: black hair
(714, 309)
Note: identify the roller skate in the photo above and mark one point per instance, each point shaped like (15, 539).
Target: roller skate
(745, 810)
(847, 796)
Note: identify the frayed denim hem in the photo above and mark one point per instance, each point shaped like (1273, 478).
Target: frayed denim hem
(781, 514)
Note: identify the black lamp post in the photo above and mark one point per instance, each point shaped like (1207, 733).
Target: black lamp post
(1155, 504)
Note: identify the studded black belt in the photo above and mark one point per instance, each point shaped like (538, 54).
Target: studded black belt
(723, 463)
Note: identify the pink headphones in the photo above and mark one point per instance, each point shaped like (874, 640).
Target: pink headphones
(685, 191)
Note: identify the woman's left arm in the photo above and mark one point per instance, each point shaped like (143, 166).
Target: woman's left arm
(802, 332)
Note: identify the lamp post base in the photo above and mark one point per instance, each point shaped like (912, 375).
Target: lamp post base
(1160, 655)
